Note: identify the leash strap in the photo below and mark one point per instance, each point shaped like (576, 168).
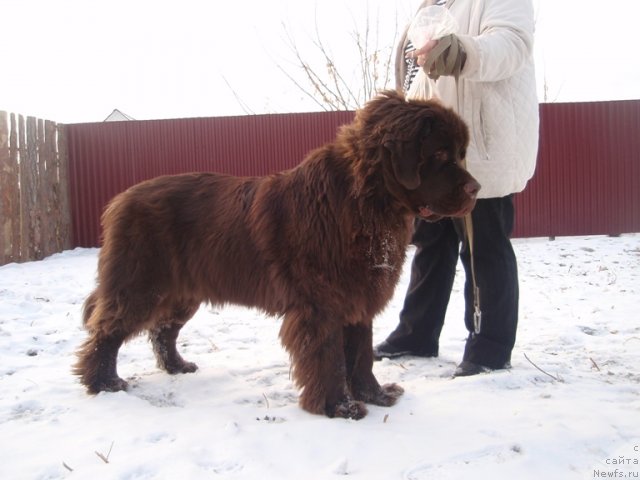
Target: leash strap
(477, 312)
(446, 58)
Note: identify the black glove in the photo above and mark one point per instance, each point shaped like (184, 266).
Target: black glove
(447, 57)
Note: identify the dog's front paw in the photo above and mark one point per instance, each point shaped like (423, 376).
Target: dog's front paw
(348, 409)
(181, 367)
(387, 395)
(384, 396)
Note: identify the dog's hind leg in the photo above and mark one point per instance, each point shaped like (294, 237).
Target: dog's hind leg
(109, 325)
(163, 340)
(358, 350)
(96, 364)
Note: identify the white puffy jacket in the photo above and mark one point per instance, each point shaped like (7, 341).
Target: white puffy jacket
(496, 92)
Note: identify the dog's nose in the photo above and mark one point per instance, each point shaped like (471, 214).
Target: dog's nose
(472, 188)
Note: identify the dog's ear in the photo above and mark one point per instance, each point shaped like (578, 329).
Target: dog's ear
(405, 166)
(406, 158)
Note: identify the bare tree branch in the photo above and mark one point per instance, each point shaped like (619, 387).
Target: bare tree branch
(243, 105)
(328, 97)
(327, 84)
(332, 86)
(332, 72)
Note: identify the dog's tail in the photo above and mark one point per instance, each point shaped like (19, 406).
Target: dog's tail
(89, 306)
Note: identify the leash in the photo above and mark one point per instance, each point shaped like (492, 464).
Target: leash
(438, 63)
(477, 312)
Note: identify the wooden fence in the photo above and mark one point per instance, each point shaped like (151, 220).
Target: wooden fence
(34, 201)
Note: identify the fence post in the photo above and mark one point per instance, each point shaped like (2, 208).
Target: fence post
(43, 196)
(10, 193)
(14, 154)
(49, 190)
(28, 189)
(6, 193)
(64, 228)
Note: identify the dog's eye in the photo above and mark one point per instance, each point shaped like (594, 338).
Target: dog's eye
(441, 160)
(440, 156)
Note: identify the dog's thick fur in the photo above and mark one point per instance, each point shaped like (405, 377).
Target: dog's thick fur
(321, 245)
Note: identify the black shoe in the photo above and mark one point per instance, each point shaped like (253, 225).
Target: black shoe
(467, 369)
(388, 350)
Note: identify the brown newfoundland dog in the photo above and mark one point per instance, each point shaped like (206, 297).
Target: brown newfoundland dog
(321, 245)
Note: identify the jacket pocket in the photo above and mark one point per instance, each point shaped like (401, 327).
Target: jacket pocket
(478, 129)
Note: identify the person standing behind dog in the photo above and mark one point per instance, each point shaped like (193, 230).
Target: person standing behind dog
(485, 72)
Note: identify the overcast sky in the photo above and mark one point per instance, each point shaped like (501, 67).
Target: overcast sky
(77, 60)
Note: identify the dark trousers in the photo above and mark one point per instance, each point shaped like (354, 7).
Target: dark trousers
(438, 246)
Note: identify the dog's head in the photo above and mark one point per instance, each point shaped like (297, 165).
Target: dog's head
(422, 146)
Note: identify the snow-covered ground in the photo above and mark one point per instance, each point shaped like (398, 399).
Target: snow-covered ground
(570, 409)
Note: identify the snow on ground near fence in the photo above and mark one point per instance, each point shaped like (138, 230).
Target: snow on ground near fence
(569, 409)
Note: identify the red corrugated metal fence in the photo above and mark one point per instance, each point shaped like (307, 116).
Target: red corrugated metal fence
(587, 180)
(107, 158)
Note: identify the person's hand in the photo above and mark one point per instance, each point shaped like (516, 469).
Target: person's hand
(420, 54)
(445, 56)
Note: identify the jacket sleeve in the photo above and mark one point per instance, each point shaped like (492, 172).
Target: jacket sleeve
(503, 43)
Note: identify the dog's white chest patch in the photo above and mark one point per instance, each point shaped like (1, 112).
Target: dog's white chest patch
(383, 252)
